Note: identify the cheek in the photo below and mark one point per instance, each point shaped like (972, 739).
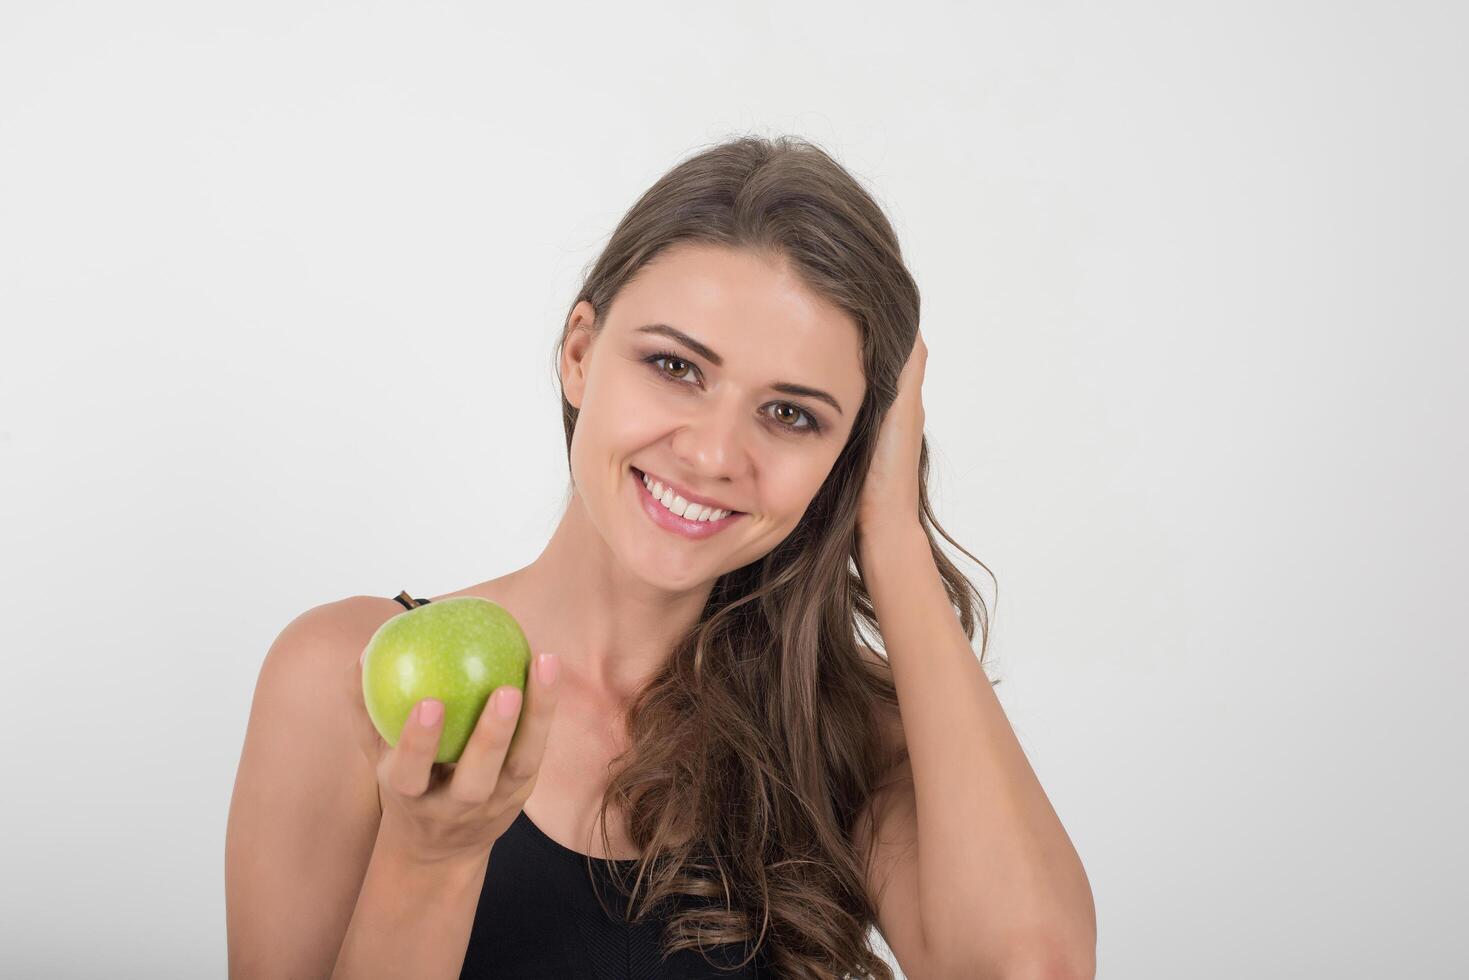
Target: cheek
(618, 410)
(638, 405)
(791, 488)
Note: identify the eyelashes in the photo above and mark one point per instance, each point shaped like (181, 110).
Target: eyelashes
(811, 427)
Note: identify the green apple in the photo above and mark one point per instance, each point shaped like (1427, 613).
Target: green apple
(458, 651)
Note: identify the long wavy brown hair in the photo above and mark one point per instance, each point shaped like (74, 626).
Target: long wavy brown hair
(755, 748)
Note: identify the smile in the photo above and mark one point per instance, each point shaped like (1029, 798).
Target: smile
(669, 521)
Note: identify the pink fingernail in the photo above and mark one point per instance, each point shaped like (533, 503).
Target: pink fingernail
(429, 711)
(547, 666)
(507, 701)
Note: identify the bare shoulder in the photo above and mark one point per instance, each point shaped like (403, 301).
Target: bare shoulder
(339, 624)
(315, 657)
(327, 637)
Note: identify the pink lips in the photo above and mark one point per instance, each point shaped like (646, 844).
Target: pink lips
(670, 521)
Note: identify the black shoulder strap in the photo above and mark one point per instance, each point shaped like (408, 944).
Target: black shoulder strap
(409, 602)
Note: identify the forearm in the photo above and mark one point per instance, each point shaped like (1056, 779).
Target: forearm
(411, 920)
(998, 875)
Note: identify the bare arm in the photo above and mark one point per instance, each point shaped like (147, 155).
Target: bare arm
(412, 919)
(314, 884)
(985, 877)
(303, 818)
(347, 858)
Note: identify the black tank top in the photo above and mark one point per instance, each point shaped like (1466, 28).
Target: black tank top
(538, 918)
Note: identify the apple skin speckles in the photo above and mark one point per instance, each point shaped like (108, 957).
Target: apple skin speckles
(457, 651)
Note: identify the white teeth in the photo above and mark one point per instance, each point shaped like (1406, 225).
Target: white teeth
(680, 506)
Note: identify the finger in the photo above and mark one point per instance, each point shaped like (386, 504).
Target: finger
(486, 772)
(409, 765)
(528, 746)
(479, 764)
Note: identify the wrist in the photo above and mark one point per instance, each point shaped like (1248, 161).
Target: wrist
(878, 537)
(891, 553)
(410, 859)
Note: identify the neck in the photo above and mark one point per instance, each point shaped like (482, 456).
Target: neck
(615, 628)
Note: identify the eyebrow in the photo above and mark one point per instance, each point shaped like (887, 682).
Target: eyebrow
(784, 387)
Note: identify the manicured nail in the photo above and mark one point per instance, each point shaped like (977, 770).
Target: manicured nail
(547, 667)
(507, 701)
(429, 712)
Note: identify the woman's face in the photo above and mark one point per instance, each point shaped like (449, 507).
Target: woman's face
(704, 413)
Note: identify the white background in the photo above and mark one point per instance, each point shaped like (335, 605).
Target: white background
(279, 289)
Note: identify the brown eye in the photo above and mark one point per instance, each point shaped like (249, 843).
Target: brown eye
(654, 361)
(680, 373)
(811, 425)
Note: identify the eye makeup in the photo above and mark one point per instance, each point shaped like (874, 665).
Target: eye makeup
(813, 424)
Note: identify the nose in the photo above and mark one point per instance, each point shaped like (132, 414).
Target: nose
(712, 444)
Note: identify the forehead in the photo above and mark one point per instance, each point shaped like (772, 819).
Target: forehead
(749, 308)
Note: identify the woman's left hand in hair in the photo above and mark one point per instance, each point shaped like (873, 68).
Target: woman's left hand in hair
(889, 499)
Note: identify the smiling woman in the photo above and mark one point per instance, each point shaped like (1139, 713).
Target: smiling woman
(739, 380)
(738, 344)
(738, 408)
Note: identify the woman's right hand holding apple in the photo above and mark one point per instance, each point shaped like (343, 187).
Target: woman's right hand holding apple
(435, 812)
